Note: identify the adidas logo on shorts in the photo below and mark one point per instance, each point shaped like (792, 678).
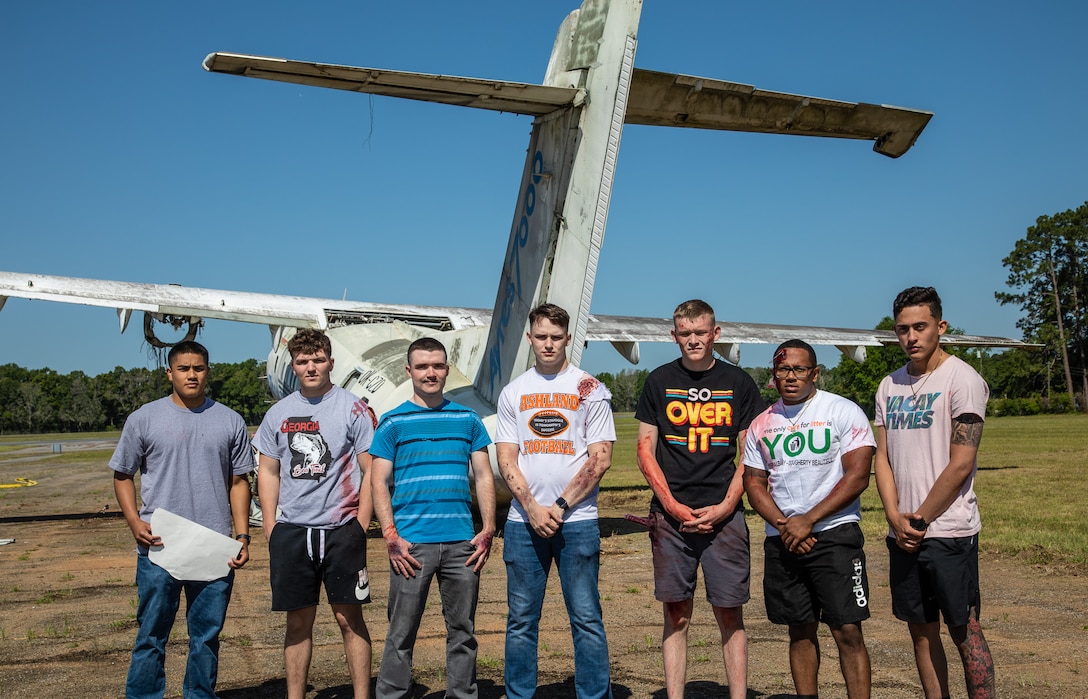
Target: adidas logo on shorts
(859, 590)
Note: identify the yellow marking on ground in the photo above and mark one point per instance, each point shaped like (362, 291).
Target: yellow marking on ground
(19, 483)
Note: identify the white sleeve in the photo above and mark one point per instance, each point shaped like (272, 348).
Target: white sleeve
(600, 427)
(506, 418)
(753, 455)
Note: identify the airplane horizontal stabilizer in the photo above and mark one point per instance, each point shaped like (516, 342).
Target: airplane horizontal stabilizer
(496, 95)
(670, 99)
(655, 99)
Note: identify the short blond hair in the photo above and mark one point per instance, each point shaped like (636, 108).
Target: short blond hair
(693, 309)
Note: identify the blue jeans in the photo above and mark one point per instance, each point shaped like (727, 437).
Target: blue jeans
(206, 610)
(576, 550)
(459, 587)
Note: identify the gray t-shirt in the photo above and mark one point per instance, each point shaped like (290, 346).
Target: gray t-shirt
(316, 442)
(186, 458)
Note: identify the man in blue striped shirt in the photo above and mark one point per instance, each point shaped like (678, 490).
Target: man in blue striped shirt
(422, 452)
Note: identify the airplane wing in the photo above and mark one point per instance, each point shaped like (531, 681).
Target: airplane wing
(623, 332)
(246, 307)
(659, 99)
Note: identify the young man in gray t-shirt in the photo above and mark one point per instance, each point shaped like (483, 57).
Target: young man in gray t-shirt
(193, 455)
(315, 467)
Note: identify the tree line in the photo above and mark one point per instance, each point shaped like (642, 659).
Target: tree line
(42, 400)
(1022, 382)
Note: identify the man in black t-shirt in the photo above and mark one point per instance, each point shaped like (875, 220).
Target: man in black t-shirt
(693, 415)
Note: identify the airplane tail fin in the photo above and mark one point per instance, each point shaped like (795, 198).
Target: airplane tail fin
(562, 207)
(590, 91)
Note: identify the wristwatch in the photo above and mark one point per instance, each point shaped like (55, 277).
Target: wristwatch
(247, 537)
(562, 504)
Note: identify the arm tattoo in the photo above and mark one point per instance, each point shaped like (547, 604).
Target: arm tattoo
(756, 473)
(967, 430)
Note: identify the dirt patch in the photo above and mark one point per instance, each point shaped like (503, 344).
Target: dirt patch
(67, 614)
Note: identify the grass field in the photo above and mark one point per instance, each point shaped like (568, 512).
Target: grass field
(1031, 483)
(1031, 486)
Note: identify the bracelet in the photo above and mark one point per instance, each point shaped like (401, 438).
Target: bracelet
(239, 537)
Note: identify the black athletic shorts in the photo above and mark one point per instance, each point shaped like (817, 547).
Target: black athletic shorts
(300, 558)
(941, 577)
(827, 584)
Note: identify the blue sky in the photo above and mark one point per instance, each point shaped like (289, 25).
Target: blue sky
(120, 158)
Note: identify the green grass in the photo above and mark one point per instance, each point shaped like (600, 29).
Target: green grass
(489, 662)
(624, 472)
(51, 597)
(58, 436)
(1032, 489)
(80, 457)
(1031, 486)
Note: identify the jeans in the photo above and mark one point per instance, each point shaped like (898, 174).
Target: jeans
(576, 550)
(206, 610)
(459, 587)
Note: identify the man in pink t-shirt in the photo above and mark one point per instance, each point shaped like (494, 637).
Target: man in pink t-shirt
(929, 417)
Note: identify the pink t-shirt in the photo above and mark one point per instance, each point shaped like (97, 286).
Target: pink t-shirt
(916, 413)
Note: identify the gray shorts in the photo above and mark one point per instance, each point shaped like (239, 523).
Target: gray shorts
(723, 555)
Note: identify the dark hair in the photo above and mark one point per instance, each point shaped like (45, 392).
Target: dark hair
(425, 344)
(309, 341)
(186, 347)
(795, 344)
(918, 296)
(692, 309)
(549, 311)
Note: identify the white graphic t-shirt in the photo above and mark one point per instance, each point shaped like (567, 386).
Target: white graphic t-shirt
(801, 448)
(553, 420)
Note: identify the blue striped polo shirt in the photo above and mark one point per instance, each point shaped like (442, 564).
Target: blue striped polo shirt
(430, 449)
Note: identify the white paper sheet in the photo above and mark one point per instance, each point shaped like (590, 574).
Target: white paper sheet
(190, 551)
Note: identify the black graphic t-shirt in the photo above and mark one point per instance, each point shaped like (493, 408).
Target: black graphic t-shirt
(699, 416)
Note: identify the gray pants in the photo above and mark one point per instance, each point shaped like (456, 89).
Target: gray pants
(459, 587)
